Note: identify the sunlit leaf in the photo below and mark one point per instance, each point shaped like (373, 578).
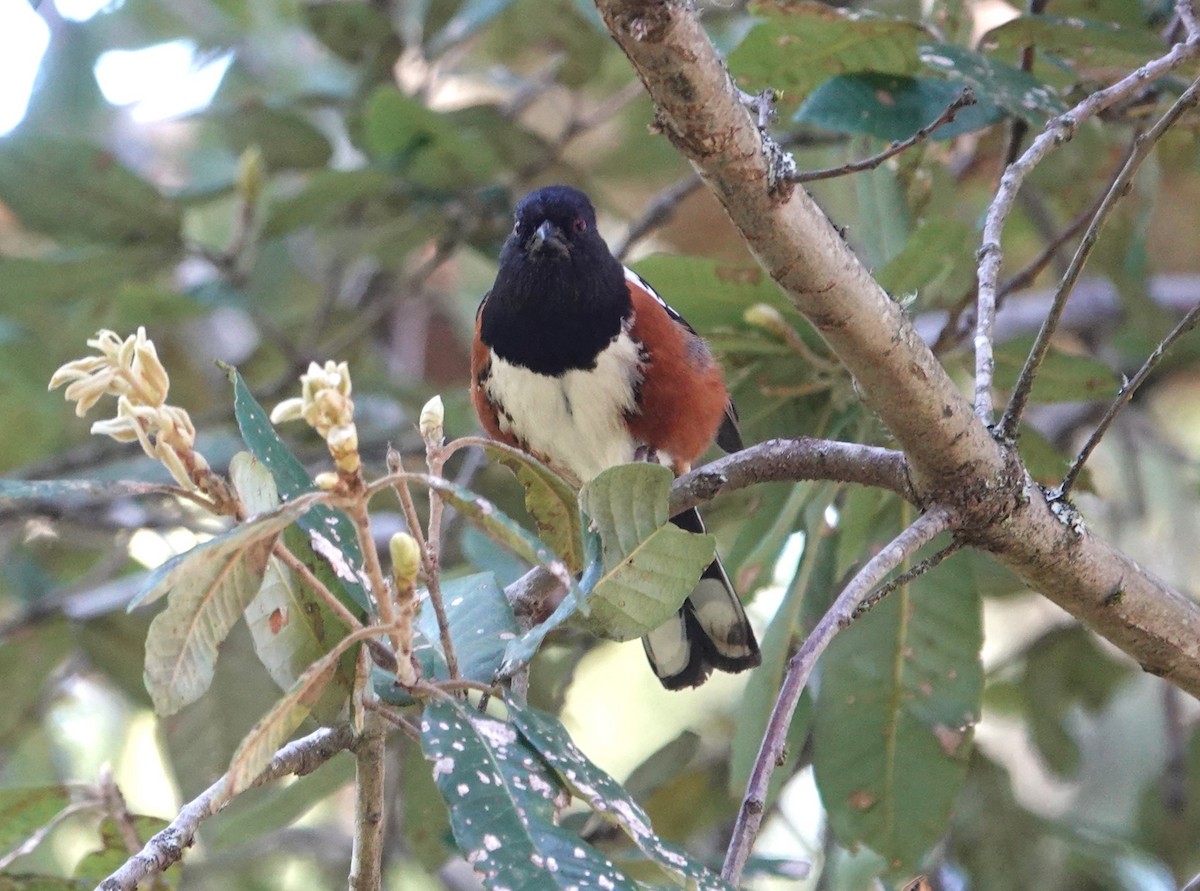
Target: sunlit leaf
(323, 523)
(209, 587)
(503, 808)
(291, 625)
(711, 293)
(549, 499)
(650, 566)
(265, 738)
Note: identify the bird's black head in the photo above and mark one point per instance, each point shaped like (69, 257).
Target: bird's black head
(560, 294)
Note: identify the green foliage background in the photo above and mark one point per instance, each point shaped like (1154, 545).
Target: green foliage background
(344, 196)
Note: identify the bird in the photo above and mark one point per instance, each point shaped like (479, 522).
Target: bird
(579, 362)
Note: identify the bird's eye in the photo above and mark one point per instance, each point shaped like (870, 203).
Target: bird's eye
(579, 225)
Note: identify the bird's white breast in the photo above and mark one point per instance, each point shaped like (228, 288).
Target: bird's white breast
(577, 421)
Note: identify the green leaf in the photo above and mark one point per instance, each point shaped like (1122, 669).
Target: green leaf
(650, 566)
(1084, 43)
(277, 805)
(884, 222)
(1065, 670)
(800, 44)
(23, 811)
(426, 145)
(66, 274)
(481, 625)
(265, 738)
(76, 491)
(939, 255)
(814, 576)
(891, 107)
(39, 883)
(522, 649)
(549, 499)
(285, 138)
(209, 588)
(1062, 377)
(502, 802)
(325, 525)
(500, 527)
(711, 293)
(606, 796)
(46, 181)
(98, 865)
(471, 16)
(356, 32)
(291, 625)
(998, 83)
(326, 193)
(900, 694)
(1046, 462)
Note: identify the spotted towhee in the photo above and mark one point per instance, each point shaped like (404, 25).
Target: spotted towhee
(578, 361)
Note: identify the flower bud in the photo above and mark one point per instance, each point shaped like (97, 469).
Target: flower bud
(768, 318)
(250, 174)
(432, 421)
(406, 559)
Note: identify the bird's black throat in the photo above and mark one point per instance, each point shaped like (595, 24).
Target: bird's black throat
(551, 313)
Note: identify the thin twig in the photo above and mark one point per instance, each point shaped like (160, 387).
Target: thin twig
(366, 858)
(298, 566)
(299, 757)
(1186, 324)
(394, 718)
(964, 99)
(750, 816)
(1057, 131)
(1144, 145)
(395, 464)
(905, 578)
(661, 208)
(952, 332)
(357, 511)
(1187, 16)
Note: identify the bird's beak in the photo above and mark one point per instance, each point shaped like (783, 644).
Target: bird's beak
(548, 238)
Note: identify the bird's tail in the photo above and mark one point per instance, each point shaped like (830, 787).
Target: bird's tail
(709, 631)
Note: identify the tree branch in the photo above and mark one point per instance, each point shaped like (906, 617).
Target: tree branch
(800, 666)
(366, 861)
(1143, 146)
(792, 460)
(1186, 324)
(1058, 131)
(965, 98)
(952, 459)
(299, 757)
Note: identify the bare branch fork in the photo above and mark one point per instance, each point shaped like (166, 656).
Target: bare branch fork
(1143, 146)
(838, 616)
(300, 757)
(1059, 130)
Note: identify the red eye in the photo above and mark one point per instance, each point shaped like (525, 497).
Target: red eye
(579, 225)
